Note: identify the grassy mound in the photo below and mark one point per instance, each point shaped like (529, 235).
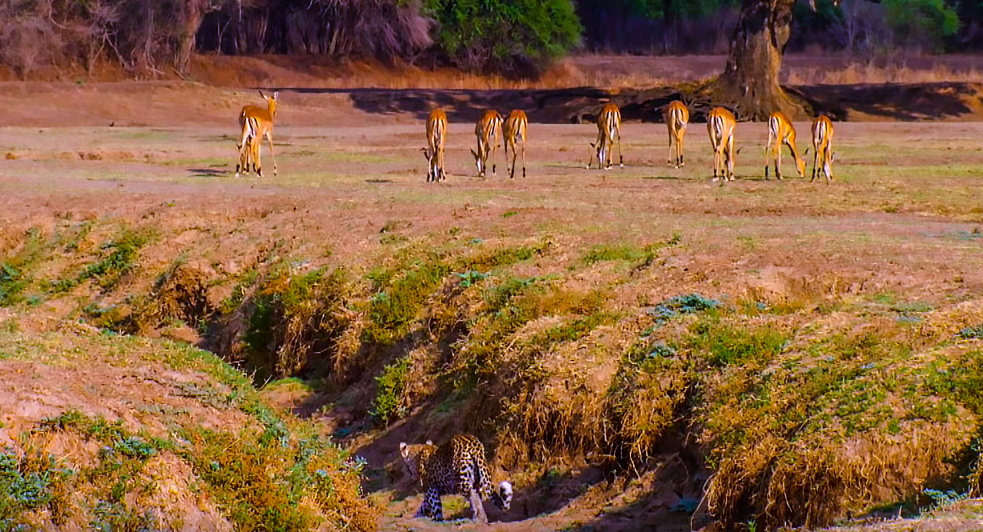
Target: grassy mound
(137, 434)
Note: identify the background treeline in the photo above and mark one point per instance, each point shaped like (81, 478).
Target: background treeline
(148, 37)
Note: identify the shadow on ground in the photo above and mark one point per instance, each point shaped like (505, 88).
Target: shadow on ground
(921, 101)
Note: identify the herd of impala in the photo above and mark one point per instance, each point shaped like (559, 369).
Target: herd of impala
(257, 122)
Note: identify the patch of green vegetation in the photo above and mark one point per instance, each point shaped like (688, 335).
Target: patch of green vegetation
(389, 404)
(497, 257)
(969, 333)
(29, 483)
(246, 281)
(12, 283)
(607, 252)
(724, 344)
(111, 516)
(628, 252)
(509, 214)
(292, 317)
(575, 329)
(117, 471)
(471, 278)
(681, 306)
(394, 307)
(14, 276)
(119, 259)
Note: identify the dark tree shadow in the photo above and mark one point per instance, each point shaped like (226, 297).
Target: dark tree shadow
(545, 106)
(909, 102)
(919, 101)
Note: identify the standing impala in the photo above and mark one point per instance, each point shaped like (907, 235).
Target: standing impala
(515, 131)
(677, 116)
(822, 143)
(434, 152)
(781, 131)
(256, 123)
(489, 131)
(721, 124)
(608, 127)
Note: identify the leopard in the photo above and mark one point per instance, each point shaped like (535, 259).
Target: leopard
(456, 467)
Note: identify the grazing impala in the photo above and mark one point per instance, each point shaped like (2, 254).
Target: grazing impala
(677, 116)
(489, 131)
(256, 123)
(781, 131)
(608, 127)
(822, 143)
(515, 131)
(721, 124)
(434, 152)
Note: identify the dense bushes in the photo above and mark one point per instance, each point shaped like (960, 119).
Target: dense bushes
(148, 37)
(505, 35)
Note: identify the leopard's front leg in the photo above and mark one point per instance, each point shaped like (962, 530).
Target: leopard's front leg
(431, 506)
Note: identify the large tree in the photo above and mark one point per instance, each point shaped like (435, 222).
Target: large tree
(750, 80)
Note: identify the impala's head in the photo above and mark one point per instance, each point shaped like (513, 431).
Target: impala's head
(271, 102)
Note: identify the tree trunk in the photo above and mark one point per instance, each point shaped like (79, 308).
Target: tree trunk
(194, 13)
(750, 81)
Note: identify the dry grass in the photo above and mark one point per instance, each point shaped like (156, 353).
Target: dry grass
(857, 73)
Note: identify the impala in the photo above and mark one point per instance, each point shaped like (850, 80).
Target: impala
(721, 124)
(822, 144)
(781, 131)
(488, 130)
(608, 127)
(434, 152)
(256, 123)
(515, 131)
(677, 116)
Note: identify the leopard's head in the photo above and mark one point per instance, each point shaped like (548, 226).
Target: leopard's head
(414, 455)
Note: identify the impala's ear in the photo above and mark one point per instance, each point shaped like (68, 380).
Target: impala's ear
(276, 94)
(429, 442)
(592, 145)
(805, 152)
(475, 154)
(738, 152)
(261, 95)
(403, 448)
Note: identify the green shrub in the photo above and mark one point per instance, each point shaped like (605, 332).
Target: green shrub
(514, 36)
(389, 404)
(922, 22)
